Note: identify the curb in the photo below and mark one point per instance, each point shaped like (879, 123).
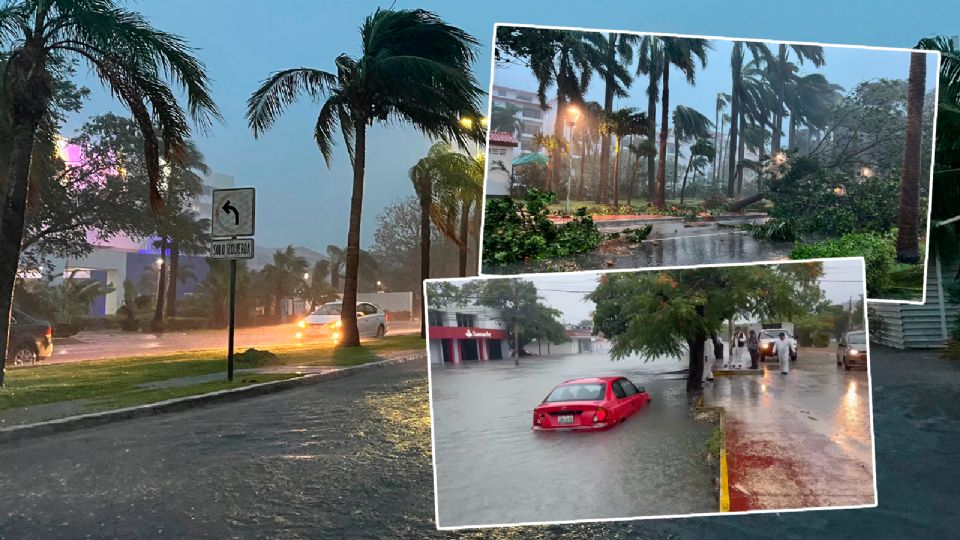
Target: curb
(82, 421)
(724, 471)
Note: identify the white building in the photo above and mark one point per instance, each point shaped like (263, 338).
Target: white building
(465, 333)
(500, 154)
(580, 341)
(533, 118)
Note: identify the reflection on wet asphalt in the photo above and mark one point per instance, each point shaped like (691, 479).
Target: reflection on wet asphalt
(492, 468)
(214, 472)
(799, 440)
(669, 244)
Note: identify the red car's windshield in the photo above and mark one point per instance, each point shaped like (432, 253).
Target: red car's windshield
(577, 392)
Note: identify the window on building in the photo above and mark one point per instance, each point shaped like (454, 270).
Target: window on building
(530, 112)
(498, 151)
(524, 96)
(466, 320)
(501, 92)
(530, 129)
(435, 318)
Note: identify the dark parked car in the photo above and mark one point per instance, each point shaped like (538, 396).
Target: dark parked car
(31, 339)
(852, 350)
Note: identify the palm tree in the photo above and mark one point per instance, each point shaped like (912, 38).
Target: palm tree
(722, 101)
(908, 250)
(781, 71)
(588, 128)
(688, 123)
(651, 64)
(189, 236)
(737, 95)
(336, 260)
(414, 68)
(810, 99)
(284, 275)
(609, 56)
(641, 149)
(133, 59)
(701, 152)
(505, 118)
(620, 123)
(556, 147)
(683, 54)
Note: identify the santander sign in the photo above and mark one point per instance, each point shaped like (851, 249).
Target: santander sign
(472, 334)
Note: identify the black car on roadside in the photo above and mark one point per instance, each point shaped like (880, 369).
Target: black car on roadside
(31, 339)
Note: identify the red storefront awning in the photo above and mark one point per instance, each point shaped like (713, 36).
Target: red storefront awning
(462, 332)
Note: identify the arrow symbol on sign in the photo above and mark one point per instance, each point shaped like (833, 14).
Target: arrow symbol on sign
(227, 207)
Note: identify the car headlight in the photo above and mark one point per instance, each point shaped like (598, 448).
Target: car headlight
(302, 324)
(854, 351)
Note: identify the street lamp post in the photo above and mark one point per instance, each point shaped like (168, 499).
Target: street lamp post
(573, 114)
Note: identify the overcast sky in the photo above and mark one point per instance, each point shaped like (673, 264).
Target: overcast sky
(301, 201)
(841, 280)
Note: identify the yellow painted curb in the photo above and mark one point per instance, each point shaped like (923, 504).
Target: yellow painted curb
(724, 479)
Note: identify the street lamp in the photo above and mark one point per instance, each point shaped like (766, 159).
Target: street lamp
(379, 286)
(466, 122)
(573, 114)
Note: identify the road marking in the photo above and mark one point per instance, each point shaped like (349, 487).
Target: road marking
(724, 479)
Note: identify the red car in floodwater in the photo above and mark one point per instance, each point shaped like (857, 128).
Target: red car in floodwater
(589, 404)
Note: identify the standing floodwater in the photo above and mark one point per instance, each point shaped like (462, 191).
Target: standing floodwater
(493, 468)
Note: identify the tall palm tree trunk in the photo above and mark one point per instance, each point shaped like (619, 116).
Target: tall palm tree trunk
(742, 148)
(907, 216)
(658, 197)
(161, 287)
(718, 164)
(555, 156)
(348, 311)
(426, 198)
(28, 93)
(464, 231)
(173, 278)
(733, 136)
(716, 143)
(793, 131)
(684, 186)
(616, 176)
(651, 132)
(778, 114)
(605, 139)
(676, 159)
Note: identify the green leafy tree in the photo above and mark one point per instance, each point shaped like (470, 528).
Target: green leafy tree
(670, 312)
(522, 312)
(413, 68)
(621, 123)
(132, 58)
(284, 277)
(781, 71)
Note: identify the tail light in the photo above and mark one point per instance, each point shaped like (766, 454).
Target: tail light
(600, 415)
(536, 418)
(49, 332)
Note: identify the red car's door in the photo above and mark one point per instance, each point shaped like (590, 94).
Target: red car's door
(621, 403)
(636, 399)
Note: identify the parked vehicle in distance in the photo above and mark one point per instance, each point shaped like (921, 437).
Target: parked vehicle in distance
(852, 350)
(325, 321)
(31, 339)
(768, 336)
(589, 404)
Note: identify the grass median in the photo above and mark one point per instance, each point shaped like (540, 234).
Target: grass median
(121, 382)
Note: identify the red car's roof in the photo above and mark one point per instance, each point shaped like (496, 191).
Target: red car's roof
(590, 380)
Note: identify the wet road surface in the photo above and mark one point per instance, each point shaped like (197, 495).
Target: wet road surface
(669, 244)
(492, 468)
(115, 344)
(800, 440)
(219, 471)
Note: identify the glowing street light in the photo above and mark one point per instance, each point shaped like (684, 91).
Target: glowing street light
(866, 172)
(159, 261)
(466, 122)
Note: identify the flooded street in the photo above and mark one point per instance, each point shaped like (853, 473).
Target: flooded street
(493, 468)
(669, 244)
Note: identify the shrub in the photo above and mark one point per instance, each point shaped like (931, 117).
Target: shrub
(255, 357)
(877, 250)
(520, 230)
(714, 200)
(778, 230)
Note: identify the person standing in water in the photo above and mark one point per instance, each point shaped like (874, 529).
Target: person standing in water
(782, 349)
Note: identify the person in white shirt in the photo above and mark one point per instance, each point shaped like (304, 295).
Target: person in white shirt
(712, 353)
(782, 349)
(738, 348)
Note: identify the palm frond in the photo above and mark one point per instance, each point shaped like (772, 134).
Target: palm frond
(280, 90)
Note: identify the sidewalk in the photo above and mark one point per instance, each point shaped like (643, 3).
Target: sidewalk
(800, 440)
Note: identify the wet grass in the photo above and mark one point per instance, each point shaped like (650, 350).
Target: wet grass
(120, 382)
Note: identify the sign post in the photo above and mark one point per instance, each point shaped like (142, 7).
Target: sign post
(233, 216)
